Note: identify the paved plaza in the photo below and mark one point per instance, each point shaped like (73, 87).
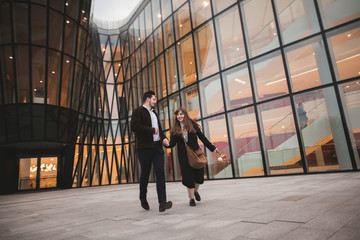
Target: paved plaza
(315, 206)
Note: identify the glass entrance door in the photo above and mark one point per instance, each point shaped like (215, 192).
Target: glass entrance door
(38, 173)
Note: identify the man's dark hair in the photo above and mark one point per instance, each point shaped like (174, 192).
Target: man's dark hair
(147, 95)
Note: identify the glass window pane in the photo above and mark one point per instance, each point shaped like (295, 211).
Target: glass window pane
(211, 96)
(261, 31)
(171, 70)
(5, 30)
(48, 172)
(280, 138)
(53, 76)
(7, 74)
(245, 143)
(38, 74)
(152, 78)
(337, 12)
(156, 15)
(297, 19)
(169, 34)
(182, 21)
(345, 48)
(158, 41)
(55, 30)
(161, 78)
(66, 82)
(206, 53)
(200, 11)
(20, 18)
(186, 62)
(142, 26)
(230, 38)
(163, 114)
(22, 73)
(38, 25)
(308, 65)
(82, 45)
(220, 5)
(351, 104)
(177, 3)
(174, 103)
(148, 20)
(27, 173)
(190, 100)
(72, 9)
(270, 77)
(150, 48)
(70, 36)
(325, 146)
(237, 87)
(216, 131)
(165, 8)
(143, 55)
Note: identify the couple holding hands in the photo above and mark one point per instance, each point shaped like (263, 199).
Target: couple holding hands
(149, 146)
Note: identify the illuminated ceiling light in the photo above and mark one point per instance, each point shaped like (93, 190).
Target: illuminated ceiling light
(190, 62)
(78, 136)
(205, 3)
(178, 43)
(85, 18)
(67, 4)
(275, 34)
(224, 136)
(240, 81)
(41, 81)
(53, 72)
(139, 38)
(347, 86)
(282, 126)
(99, 109)
(103, 49)
(83, 11)
(34, 89)
(313, 54)
(11, 57)
(115, 74)
(119, 64)
(349, 35)
(237, 49)
(159, 15)
(180, 25)
(67, 61)
(357, 82)
(67, 21)
(239, 92)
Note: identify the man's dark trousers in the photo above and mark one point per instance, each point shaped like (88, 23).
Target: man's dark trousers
(155, 156)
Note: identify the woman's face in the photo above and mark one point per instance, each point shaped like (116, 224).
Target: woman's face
(180, 116)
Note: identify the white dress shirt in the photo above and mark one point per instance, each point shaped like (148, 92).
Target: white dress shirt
(154, 123)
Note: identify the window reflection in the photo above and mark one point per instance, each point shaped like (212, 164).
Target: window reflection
(27, 173)
(345, 11)
(216, 131)
(231, 43)
(200, 11)
(308, 65)
(270, 77)
(324, 145)
(245, 143)
(280, 138)
(206, 54)
(171, 70)
(38, 74)
(186, 62)
(211, 96)
(345, 52)
(190, 100)
(22, 68)
(169, 34)
(351, 103)
(261, 31)
(237, 87)
(219, 5)
(182, 21)
(297, 19)
(161, 79)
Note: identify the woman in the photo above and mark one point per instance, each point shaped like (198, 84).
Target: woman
(186, 130)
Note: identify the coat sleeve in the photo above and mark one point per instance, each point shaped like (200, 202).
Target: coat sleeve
(204, 140)
(172, 142)
(137, 126)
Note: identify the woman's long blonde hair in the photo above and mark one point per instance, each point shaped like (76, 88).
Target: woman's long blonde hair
(188, 123)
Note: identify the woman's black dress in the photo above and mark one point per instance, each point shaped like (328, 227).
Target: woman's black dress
(190, 175)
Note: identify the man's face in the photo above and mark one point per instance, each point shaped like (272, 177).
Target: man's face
(152, 101)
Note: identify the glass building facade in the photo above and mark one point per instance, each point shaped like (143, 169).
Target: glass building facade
(274, 84)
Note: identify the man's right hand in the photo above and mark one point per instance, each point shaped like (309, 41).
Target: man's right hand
(156, 131)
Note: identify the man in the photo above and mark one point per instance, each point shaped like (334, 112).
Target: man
(149, 138)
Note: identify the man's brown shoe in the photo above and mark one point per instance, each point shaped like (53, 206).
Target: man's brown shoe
(164, 205)
(144, 204)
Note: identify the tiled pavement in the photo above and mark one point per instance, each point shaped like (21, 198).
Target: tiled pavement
(316, 206)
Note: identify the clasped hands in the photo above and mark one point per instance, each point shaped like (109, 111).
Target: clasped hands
(166, 142)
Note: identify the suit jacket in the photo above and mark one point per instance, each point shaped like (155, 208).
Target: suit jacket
(141, 125)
